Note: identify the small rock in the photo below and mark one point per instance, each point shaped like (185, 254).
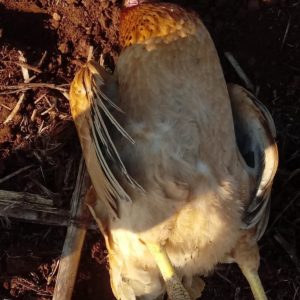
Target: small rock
(56, 17)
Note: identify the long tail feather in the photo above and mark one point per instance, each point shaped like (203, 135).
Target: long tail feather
(91, 112)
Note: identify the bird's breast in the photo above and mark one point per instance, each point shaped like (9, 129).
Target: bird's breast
(175, 100)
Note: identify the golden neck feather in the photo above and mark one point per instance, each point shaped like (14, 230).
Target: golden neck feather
(145, 22)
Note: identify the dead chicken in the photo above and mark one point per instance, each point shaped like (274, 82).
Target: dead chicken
(181, 164)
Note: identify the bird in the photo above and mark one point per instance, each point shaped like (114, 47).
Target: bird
(181, 163)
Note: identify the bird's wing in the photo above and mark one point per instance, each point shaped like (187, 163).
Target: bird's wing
(91, 110)
(255, 133)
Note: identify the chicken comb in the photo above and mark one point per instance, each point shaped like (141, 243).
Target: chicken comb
(147, 22)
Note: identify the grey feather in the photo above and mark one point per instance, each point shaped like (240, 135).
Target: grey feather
(255, 134)
(101, 119)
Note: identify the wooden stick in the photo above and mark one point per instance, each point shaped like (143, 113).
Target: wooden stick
(71, 253)
(36, 209)
(28, 198)
(29, 67)
(5, 106)
(15, 110)
(31, 208)
(26, 86)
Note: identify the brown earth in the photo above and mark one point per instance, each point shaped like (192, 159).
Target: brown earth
(264, 38)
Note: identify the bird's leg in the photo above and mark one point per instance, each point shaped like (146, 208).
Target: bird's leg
(174, 286)
(246, 255)
(254, 282)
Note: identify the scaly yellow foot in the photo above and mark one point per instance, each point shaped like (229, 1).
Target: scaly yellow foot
(174, 286)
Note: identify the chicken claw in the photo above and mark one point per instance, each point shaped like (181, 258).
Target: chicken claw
(175, 288)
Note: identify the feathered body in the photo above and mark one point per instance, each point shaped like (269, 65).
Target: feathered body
(196, 186)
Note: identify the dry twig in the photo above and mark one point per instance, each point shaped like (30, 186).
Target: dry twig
(41, 127)
(24, 69)
(286, 32)
(15, 110)
(27, 86)
(42, 59)
(48, 110)
(239, 71)
(39, 99)
(24, 65)
(19, 197)
(37, 209)
(15, 173)
(5, 106)
(51, 275)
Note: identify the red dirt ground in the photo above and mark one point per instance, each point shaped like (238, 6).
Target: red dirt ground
(263, 36)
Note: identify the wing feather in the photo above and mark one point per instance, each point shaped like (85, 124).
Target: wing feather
(256, 134)
(91, 110)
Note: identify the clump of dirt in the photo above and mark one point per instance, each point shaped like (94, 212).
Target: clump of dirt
(69, 27)
(55, 37)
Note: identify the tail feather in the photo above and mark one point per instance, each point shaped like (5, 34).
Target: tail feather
(255, 132)
(91, 112)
